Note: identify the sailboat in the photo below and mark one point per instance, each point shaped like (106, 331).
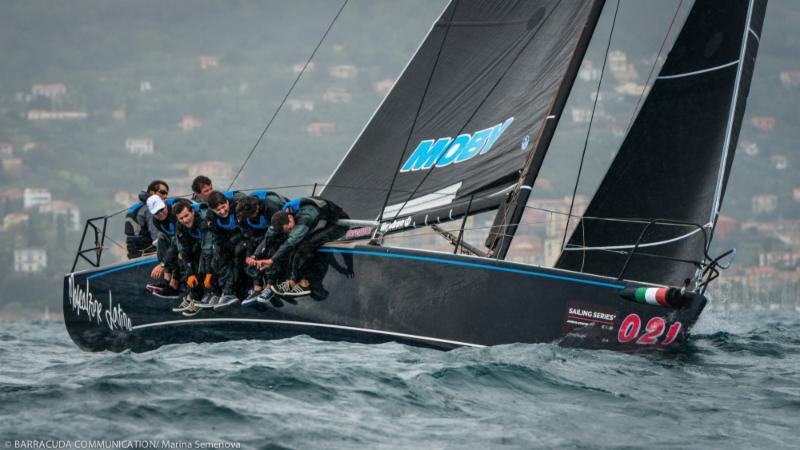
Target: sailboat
(465, 131)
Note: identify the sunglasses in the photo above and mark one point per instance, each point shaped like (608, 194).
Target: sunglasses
(163, 192)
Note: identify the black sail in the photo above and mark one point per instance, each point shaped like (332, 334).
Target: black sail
(675, 160)
(460, 120)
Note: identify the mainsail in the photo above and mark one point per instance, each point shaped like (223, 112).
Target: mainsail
(460, 122)
(675, 160)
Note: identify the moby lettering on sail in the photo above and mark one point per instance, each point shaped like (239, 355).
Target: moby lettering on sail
(445, 151)
(83, 300)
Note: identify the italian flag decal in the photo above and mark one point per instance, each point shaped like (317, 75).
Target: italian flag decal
(652, 296)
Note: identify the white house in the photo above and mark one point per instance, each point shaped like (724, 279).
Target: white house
(320, 128)
(296, 104)
(69, 211)
(29, 260)
(34, 197)
(51, 90)
(139, 146)
(588, 72)
(336, 95)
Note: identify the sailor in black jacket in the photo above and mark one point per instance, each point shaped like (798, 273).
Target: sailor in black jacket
(308, 223)
(195, 247)
(253, 214)
(227, 263)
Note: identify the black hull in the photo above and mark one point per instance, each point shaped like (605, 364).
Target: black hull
(376, 294)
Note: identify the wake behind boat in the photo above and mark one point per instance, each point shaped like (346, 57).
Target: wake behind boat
(460, 135)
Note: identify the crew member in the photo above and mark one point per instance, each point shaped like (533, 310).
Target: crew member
(140, 232)
(308, 223)
(228, 257)
(166, 248)
(253, 214)
(201, 188)
(194, 244)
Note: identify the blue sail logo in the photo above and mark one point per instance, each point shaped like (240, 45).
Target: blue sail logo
(445, 151)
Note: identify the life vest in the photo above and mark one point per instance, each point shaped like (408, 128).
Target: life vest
(198, 231)
(132, 227)
(296, 204)
(328, 212)
(262, 224)
(169, 231)
(228, 223)
(261, 195)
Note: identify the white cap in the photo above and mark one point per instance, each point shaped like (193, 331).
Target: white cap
(155, 204)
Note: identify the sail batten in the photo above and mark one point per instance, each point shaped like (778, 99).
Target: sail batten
(697, 72)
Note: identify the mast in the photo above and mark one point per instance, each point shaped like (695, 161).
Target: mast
(500, 240)
(505, 232)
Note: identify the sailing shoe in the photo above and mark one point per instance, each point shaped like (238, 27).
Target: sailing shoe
(252, 297)
(167, 293)
(185, 304)
(192, 310)
(208, 301)
(297, 291)
(282, 288)
(226, 300)
(157, 286)
(265, 296)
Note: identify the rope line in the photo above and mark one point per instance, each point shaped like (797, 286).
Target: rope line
(653, 68)
(591, 121)
(296, 80)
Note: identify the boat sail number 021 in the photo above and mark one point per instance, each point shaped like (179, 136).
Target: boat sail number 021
(631, 327)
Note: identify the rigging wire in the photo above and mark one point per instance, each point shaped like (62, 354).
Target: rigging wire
(589, 130)
(652, 69)
(419, 109)
(475, 111)
(296, 80)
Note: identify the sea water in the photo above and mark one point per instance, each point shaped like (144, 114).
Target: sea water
(736, 385)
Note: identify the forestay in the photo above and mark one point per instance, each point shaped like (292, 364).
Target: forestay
(464, 115)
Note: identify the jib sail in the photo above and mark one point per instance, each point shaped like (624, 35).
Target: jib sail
(460, 122)
(674, 162)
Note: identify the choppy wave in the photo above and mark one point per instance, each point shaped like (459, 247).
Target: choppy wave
(737, 384)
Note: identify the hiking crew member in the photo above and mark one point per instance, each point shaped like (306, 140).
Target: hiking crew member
(194, 244)
(253, 213)
(228, 254)
(308, 223)
(140, 232)
(166, 248)
(201, 188)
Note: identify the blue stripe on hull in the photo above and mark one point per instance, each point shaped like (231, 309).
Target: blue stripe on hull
(474, 265)
(122, 267)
